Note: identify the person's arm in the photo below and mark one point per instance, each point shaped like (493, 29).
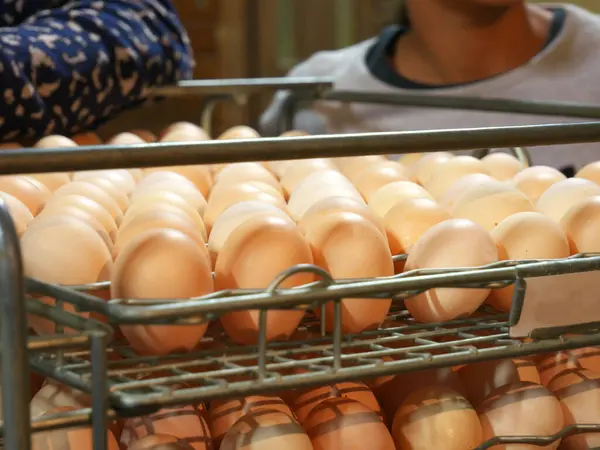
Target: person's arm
(306, 118)
(67, 69)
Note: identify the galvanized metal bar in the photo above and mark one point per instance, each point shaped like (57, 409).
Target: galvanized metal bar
(15, 362)
(531, 107)
(34, 160)
(233, 86)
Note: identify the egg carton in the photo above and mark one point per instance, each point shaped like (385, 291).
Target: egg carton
(269, 371)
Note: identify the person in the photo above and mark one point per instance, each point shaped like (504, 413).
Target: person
(480, 48)
(66, 66)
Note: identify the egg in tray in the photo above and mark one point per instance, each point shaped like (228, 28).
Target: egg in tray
(185, 232)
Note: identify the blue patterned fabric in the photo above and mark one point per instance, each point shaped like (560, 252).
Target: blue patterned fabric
(69, 65)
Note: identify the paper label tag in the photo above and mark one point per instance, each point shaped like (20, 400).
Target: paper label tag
(557, 304)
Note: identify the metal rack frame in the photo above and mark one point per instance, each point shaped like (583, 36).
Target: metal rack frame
(326, 359)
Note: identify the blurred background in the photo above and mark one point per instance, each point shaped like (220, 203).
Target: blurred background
(264, 38)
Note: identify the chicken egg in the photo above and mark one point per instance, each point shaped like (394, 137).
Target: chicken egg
(239, 132)
(186, 130)
(27, 190)
(508, 412)
(334, 204)
(94, 193)
(375, 176)
(425, 165)
(266, 430)
(162, 264)
(229, 196)
(159, 442)
(391, 194)
(145, 135)
(55, 141)
(354, 164)
(121, 179)
(175, 184)
(556, 201)
(247, 171)
(336, 239)
(490, 203)
(20, 214)
(294, 172)
(93, 208)
(224, 413)
(533, 181)
(581, 223)
(501, 166)
(461, 186)
(88, 138)
(236, 215)
(444, 174)
(436, 417)
(523, 236)
(271, 245)
(199, 175)
(590, 172)
(452, 243)
(156, 219)
(51, 180)
(341, 423)
(112, 190)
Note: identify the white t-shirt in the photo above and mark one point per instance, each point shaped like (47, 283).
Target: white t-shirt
(566, 70)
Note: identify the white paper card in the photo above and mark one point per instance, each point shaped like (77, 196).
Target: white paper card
(559, 301)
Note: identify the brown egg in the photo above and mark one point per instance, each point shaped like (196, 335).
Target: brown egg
(341, 423)
(19, 213)
(51, 180)
(490, 203)
(95, 209)
(55, 141)
(267, 189)
(88, 138)
(254, 254)
(501, 166)
(510, 409)
(335, 204)
(73, 211)
(375, 176)
(65, 251)
(461, 187)
(391, 194)
(351, 166)
(236, 193)
(556, 201)
(580, 224)
(176, 184)
(588, 358)
(239, 132)
(183, 130)
(406, 222)
(79, 438)
(578, 391)
(481, 379)
(247, 171)
(10, 146)
(94, 193)
(224, 413)
(533, 181)
(157, 219)
(27, 190)
(266, 430)
(53, 395)
(107, 186)
(199, 175)
(127, 139)
(159, 442)
(236, 215)
(452, 243)
(523, 236)
(146, 135)
(317, 186)
(162, 264)
(446, 173)
(294, 172)
(164, 201)
(436, 417)
(590, 172)
(551, 365)
(185, 423)
(336, 240)
(306, 401)
(424, 166)
(121, 179)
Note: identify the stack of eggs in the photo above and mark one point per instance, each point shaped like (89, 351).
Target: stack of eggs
(182, 232)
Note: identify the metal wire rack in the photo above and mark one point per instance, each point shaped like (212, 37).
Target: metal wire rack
(121, 383)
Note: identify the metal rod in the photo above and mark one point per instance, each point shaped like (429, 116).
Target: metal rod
(15, 363)
(34, 160)
(561, 109)
(99, 390)
(242, 86)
